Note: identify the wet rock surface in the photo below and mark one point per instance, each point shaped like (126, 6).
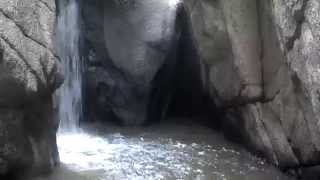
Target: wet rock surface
(28, 77)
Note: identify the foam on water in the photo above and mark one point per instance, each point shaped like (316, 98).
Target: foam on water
(167, 152)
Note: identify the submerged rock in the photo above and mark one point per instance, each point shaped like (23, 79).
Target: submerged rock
(28, 77)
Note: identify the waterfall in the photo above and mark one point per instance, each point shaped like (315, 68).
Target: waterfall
(70, 94)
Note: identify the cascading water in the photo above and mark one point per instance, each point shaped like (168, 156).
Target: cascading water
(70, 94)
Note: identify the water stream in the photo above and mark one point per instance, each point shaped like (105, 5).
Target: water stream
(168, 151)
(70, 94)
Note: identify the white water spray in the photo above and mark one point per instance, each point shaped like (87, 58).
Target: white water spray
(70, 94)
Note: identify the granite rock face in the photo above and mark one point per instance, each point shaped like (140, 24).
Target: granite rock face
(130, 50)
(28, 77)
(227, 36)
(262, 63)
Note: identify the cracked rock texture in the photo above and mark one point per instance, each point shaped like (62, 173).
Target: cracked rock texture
(28, 77)
(262, 60)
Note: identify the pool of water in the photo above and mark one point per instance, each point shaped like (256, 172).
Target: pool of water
(171, 150)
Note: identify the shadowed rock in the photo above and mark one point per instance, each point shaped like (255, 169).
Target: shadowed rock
(28, 77)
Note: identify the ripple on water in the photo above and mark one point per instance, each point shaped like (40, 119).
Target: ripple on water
(116, 156)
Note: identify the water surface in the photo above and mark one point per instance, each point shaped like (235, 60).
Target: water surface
(163, 151)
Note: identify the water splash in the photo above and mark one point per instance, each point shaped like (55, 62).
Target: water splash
(167, 151)
(173, 3)
(70, 94)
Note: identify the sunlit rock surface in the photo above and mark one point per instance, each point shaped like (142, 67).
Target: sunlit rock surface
(167, 151)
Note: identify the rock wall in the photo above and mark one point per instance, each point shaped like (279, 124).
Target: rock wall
(28, 77)
(130, 72)
(262, 63)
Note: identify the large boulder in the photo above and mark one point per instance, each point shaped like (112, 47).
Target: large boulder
(28, 78)
(262, 60)
(227, 36)
(130, 49)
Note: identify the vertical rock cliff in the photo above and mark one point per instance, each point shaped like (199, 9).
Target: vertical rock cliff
(262, 64)
(28, 77)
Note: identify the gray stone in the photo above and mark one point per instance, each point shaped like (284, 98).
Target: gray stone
(123, 67)
(29, 74)
(272, 46)
(227, 36)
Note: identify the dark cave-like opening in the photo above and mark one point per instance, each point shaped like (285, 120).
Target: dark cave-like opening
(177, 88)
